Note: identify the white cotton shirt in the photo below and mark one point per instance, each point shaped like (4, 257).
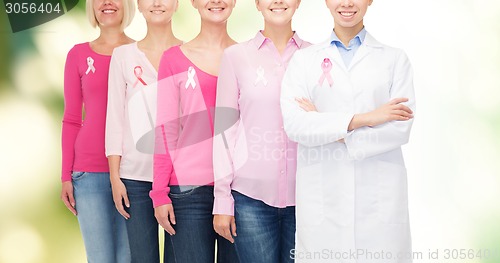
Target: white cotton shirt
(131, 112)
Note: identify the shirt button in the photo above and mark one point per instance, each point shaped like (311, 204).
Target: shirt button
(282, 172)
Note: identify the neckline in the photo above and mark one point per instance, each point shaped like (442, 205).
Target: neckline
(136, 46)
(93, 51)
(194, 65)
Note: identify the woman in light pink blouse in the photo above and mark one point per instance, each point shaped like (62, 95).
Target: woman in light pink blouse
(183, 200)
(254, 161)
(130, 121)
(86, 189)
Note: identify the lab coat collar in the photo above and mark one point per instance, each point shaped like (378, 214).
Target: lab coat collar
(360, 38)
(371, 41)
(365, 48)
(368, 43)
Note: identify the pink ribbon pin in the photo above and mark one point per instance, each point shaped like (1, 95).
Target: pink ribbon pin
(90, 63)
(190, 81)
(326, 66)
(138, 74)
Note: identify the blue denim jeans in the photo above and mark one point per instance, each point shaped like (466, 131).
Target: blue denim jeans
(103, 228)
(195, 238)
(142, 227)
(266, 234)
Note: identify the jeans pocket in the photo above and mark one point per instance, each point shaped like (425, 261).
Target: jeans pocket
(178, 192)
(77, 175)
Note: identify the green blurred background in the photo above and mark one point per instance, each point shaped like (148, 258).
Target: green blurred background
(452, 158)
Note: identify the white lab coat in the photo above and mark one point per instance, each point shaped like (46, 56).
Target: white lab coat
(352, 200)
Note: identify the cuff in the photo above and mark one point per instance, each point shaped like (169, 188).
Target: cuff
(111, 152)
(356, 145)
(65, 177)
(160, 197)
(224, 206)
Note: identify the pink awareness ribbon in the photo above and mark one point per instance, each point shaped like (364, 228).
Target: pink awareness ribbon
(326, 66)
(190, 81)
(138, 74)
(90, 64)
(260, 76)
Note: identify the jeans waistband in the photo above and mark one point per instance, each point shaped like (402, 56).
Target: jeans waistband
(182, 188)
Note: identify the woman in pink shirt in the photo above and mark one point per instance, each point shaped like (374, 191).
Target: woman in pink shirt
(129, 122)
(187, 81)
(254, 161)
(86, 189)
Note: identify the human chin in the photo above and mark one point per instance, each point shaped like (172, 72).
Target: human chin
(155, 20)
(110, 21)
(278, 21)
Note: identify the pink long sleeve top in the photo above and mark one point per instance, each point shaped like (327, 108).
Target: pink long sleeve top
(252, 153)
(185, 103)
(85, 87)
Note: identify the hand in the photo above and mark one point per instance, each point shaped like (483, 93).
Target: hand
(166, 218)
(391, 111)
(68, 197)
(120, 196)
(306, 104)
(225, 226)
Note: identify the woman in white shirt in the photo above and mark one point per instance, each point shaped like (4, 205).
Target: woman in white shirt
(130, 124)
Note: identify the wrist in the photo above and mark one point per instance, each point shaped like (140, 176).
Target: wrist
(366, 120)
(114, 177)
(358, 121)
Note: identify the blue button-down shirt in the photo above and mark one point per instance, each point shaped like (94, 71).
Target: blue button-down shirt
(347, 53)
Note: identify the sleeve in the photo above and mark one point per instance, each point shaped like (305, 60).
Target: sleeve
(308, 128)
(72, 117)
(166, 125)
(227, 117)
(115, 115)
(369, 141)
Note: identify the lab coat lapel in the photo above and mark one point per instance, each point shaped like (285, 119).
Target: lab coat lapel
(364, 50)
(336, 57)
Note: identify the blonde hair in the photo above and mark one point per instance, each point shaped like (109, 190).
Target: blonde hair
(128, 13)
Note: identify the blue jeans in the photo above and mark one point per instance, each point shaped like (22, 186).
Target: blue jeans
(266, 234)
(142, 227)
(195, 238)
(103, 228)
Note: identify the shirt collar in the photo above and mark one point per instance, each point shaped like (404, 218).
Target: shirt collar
(359, 38)
(259, 40)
